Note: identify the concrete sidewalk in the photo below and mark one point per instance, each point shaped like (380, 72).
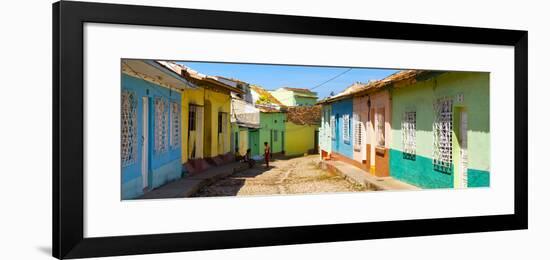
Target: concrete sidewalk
(189, 185)
(360, 177)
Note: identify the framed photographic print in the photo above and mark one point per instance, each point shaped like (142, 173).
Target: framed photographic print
(180, 129)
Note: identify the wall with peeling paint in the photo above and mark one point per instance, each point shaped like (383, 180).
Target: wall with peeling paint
(470, 91)
(164, 166)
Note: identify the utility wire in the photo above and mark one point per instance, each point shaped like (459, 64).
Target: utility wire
(331, 79)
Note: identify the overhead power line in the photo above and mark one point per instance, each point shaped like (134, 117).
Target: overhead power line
(331, 79)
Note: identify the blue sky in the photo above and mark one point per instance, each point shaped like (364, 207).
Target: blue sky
(272, 77)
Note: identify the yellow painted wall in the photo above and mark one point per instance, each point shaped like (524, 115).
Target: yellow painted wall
(243, 141)
(195, 97)
(216, 102)
(299, 138)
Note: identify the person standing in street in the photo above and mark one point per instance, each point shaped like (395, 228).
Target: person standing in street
(267, 154)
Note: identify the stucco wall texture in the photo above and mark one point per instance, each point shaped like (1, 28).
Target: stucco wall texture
(470, 93)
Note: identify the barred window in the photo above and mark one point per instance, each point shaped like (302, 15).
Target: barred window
(346, 128)
(408, 131)
(128, 117)
(333, 127)
(175, 125)
(161, 125)
(380, 127)
(442, 130)
(357, 131)
(222, 122)
(192, 117)
(225, 121)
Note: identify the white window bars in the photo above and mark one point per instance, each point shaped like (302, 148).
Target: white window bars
(333, 127)
(175, 125)
(161, 125)
(345, 128)
(128, 116)
(442, 129)
(357, 131)
(380, 127)
(408, 131)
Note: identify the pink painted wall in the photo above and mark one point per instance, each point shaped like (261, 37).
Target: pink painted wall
(378, 100)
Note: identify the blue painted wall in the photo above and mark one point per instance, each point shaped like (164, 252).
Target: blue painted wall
(340, 108)
(163, 167)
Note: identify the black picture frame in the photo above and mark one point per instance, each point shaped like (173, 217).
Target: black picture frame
(68, 146)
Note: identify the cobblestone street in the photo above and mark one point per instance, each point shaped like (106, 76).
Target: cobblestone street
(284, 176)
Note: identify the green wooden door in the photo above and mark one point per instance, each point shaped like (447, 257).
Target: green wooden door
(254, 142)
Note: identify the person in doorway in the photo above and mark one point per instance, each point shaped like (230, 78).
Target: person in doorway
(248, 159)
(267, 153)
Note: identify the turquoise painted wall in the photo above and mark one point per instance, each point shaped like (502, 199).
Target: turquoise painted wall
(163, 167)
(420, 97)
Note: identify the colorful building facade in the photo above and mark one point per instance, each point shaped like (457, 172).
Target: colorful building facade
(372, 131)
(272, 123)
(206, 138)
(245, 117)
(150, 126)
(302, 130)
(428, 129)
(325, 130)
(359, 127)
(272, 131)
(440, 130)
(295, 96)
(341, 135)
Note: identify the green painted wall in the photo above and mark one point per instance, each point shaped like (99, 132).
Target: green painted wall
(420, 97)
(291, 98)
(304, 101)
(285, 97)
(272, 126)
(235, 129)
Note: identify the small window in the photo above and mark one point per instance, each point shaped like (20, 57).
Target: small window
(128, 117)
(192, 117)
(161, 125)
(408, 131)
(222, 122)
(346, 128)
(175, 122)
(442, 130)
(380, 127)
(333, 127)
(357, 131)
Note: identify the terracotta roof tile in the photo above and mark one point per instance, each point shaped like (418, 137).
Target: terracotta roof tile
(376, 84)
(303, 90)
(264, 93)
(304, 115)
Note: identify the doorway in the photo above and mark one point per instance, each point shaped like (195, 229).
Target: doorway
(460, 148)
(316, 142)
(283, 141)
(253, 141)
(145, 143)
(463, 153)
